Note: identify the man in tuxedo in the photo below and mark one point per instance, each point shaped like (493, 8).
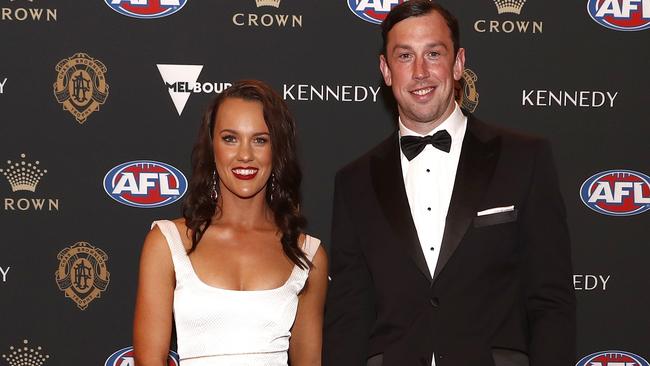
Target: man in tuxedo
(449, 239)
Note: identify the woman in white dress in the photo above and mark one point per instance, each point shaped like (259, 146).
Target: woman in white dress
(246, 286)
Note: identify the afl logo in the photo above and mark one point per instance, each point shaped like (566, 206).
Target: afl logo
(612, 358)
(373, 11)
(124, 357)
(617, 193)
(620, 15)
(145, 184)
(146, 9)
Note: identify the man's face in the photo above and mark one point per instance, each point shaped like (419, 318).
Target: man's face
(421, 69)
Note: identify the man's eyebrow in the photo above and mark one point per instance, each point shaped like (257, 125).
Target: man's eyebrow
(437, 44)
(429, 45)
(403, 46)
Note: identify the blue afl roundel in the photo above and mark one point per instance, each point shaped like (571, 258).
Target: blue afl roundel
(373, 11)
(125, 357)
(612, 358)
(620, 15)
(145, 184)
(617, 192)
(146, 9)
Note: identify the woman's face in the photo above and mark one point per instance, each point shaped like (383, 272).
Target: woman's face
(242, 147)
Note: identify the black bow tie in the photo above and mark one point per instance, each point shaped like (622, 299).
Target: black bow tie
(413, 145)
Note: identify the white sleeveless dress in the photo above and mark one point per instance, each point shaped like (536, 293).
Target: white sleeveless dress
(219, 327)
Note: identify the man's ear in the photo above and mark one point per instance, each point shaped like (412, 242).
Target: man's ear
(385, 70)
(459, 64)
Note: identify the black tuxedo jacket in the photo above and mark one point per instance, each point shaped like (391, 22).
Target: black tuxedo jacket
(501, 293)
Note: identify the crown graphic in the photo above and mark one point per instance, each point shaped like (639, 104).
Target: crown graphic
(273, 3)
(509, 6)
(25, 355)
(22, 175)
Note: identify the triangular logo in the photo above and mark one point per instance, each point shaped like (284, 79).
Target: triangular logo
(179, 80)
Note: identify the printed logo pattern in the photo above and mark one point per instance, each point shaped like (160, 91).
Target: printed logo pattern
(272, 3)
(124, 357)
(330, 93)
(26, 14)
(3, 272)
(508, 25)
(81, 85)
(372, 11)
(466, 91)
(146, 9)
(612, 358)
(82, 274)
(145, 184)
(617, 193)
(180, 80)
(509, 6)
(267, 20)
(25, 355)
(620, 15)
(591, 282)
(24, 176)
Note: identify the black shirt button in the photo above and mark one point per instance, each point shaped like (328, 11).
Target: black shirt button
(428, 170)
(432, 248)
(434, 302)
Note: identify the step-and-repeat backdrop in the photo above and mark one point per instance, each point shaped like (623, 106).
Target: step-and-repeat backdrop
(100, 103)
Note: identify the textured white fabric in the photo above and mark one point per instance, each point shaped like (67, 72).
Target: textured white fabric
(429, 181)
(216, 327)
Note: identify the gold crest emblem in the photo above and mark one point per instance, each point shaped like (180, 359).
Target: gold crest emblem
(82, 273)
(466, 93)
(80, 85)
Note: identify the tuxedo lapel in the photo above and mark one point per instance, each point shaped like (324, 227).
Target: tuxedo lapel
(386, 172)
(476, 165)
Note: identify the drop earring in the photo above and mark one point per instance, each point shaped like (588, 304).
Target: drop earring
(214, 194)
(272, 194)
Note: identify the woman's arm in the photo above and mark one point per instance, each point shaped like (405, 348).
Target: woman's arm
(305, 345)
(152, 323)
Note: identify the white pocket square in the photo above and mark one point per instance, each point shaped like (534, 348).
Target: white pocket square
(495, 210)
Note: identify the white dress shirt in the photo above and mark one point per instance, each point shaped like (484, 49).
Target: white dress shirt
(429, 181)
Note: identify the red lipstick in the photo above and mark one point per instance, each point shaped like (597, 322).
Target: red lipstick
(244, 173)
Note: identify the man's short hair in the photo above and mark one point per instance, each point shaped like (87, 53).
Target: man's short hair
(415, 8)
